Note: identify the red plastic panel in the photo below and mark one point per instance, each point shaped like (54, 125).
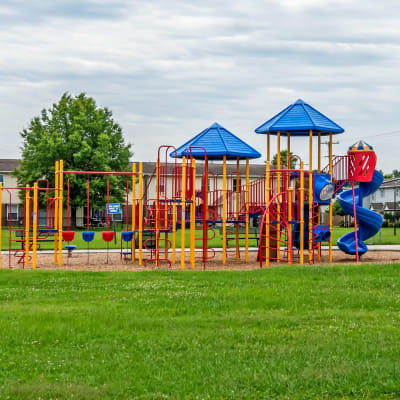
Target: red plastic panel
(362, 166)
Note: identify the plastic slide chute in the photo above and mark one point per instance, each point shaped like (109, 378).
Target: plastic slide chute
(369, 222)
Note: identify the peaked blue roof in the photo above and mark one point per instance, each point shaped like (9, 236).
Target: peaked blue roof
(298, 119)
(217, 142)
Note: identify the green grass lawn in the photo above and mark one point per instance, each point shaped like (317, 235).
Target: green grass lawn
(98, 243)
(286, 332)
(387, 235)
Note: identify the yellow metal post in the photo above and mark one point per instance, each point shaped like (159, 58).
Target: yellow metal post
(310, 201)
(278, 155)
(140, 213)
(157, 213)
(224, 211)
(278, 207)
(319, 209)
(183, 218)
(166, 248)
(330, 204)
(60, 212)
(267, 200)
(35, 222)
(237, 207)
(1, 217)
(288, 160)
(246, 255)
(56, 194)
(301, 219)
(268, 147)
(173, 229)
(319, 151)
(133, 250)
(174, 232)
(27, 212)
(193, 217)
(290, 237)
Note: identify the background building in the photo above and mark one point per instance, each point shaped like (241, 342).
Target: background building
(12, 207)
(386, 199)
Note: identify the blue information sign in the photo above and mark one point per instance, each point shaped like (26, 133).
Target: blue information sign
(114, 208)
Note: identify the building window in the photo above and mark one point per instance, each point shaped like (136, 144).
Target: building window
(12, 214)
(2, 179)
(235, 184)
(162, 185)
(373, 196)
(42, 221)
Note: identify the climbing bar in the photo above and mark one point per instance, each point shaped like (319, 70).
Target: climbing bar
(99, 173)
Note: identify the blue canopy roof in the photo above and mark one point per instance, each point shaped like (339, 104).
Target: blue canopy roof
(298, 119)
(217, 142)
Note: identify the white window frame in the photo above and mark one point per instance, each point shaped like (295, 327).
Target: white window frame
(13, 206)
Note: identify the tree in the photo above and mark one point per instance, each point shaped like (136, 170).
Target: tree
(389, 216)
(86, 138)
(336, 209)
(395, 174)
(284, 162)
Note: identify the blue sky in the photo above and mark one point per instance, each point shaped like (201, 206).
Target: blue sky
(169, 69)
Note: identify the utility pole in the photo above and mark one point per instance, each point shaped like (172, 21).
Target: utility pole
(327, 143)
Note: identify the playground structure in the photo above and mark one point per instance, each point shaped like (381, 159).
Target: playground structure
(288, 200)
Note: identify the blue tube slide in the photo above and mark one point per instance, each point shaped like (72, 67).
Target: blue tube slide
(369, 222)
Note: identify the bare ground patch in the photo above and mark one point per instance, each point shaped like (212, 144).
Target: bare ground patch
(98, 261)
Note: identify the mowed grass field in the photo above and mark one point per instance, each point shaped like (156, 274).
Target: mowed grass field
(216, 242)
(286, 333)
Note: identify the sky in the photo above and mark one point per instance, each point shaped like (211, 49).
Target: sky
(169, 69)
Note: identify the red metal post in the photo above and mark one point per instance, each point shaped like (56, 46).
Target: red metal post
(87, 205)
(108, 199)
(127, 206)
(355, 221)
(68, 205)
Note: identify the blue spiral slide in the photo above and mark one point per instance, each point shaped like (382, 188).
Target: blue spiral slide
(369, 222)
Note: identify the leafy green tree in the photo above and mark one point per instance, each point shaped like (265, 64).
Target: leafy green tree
(293, 160)
(336, 209)
(389, 216)
(396, 173)
(86, 138)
